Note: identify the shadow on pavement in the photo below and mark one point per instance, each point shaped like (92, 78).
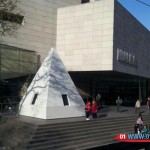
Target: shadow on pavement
(124, 110)
(102, 115)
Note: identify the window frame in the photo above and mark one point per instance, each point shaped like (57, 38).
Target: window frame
(34, 98)
(65, 99)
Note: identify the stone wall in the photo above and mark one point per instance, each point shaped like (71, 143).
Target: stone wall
(85, 36)
(39, 30)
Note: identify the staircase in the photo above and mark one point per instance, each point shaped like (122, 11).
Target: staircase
(81, 135)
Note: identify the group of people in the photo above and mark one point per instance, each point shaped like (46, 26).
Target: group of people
(140, 127)
(138, 105)
(92, 106)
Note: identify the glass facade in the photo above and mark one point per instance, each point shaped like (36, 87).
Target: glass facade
(16, 60)
(128, 89)
(111, 85)
(17, 68)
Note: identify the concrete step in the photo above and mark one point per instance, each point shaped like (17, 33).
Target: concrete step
(69, 142)
(79, 143)
(64, 138)
(69, 135)
(79, 131)
(72, 129)
(85, 125)
(81, 135)
(73, 146)
(98, 120)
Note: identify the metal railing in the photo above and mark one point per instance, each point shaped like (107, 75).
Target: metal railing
(9, 108)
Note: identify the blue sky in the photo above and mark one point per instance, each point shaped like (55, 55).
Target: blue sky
(140, 11)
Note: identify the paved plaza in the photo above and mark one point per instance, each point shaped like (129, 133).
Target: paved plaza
(104, 113)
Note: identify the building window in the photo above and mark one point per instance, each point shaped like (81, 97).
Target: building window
(34, 98)
(7, 16)
(85, 1)
(65, 99)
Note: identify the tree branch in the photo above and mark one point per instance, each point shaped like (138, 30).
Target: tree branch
(9, 23)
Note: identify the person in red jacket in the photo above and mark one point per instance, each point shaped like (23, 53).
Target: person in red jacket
(87, 110)
(94, 109)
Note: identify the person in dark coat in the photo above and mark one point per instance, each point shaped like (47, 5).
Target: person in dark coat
(99, 101)
(118, 102)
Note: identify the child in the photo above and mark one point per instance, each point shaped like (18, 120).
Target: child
(94, 109)
(87, 110)
(145, 129)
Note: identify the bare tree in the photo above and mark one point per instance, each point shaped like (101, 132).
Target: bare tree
(10, 17)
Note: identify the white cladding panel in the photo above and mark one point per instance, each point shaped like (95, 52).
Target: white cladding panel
(85, 36)
(50, 84)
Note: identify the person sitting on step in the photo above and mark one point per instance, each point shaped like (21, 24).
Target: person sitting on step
(139, 124)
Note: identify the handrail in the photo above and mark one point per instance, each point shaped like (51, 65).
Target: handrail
(9, 107)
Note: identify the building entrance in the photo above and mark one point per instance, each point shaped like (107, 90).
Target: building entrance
(129, 89)
(111, 85)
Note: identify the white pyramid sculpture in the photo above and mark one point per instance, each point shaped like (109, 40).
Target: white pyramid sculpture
(52, 93)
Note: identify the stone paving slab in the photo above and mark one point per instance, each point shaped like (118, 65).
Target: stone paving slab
(105, 112)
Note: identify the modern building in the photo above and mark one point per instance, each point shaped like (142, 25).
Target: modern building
(22, 53)
(104, 48)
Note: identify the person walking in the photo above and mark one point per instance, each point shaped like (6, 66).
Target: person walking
(148, 103)
(118, 102)
(99, 101)
(137, 106)
(87, 109)
(94, 109)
